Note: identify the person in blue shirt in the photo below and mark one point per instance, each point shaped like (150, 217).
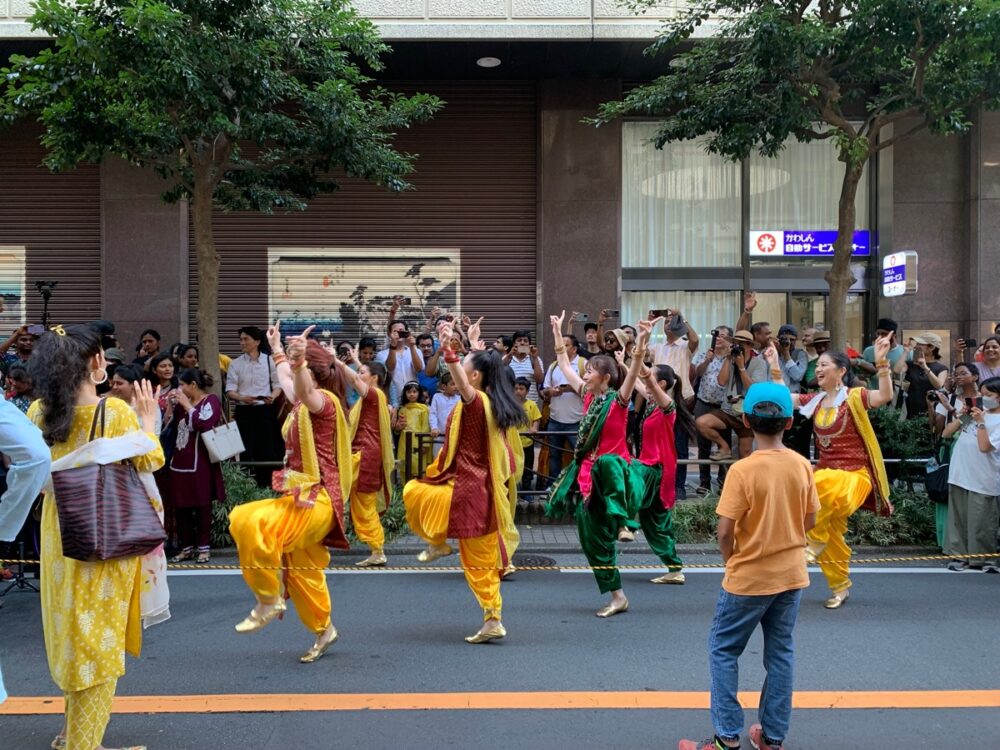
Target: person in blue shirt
(866, 364)
(30, 459)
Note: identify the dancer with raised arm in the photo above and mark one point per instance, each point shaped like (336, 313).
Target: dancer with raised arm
(850, 473)
(597, 484)
(370, 423)
(464, 494)
(286, 538)
(657, 464)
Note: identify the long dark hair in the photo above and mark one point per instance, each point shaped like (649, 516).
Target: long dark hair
(320, 363)
(129, 373)
(606, 365)
(156, 362)
(498, 382)
(685, 419)
(57, 367)
(840, 360)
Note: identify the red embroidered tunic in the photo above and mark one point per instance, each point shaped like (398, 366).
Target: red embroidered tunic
(840, 444)
(612, 441)
(367, 440)
(659, 449)
(324, 426)
(472, 512)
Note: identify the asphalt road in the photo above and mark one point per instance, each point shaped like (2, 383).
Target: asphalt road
(402, 634)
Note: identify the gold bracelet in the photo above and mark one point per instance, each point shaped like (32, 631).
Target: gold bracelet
(775, 372)
(560, 350)
(882, 362)
(300, 365)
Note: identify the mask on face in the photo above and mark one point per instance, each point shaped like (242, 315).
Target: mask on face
(990, 403)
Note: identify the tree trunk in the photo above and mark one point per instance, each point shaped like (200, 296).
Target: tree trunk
(208, 280)
(839, 277)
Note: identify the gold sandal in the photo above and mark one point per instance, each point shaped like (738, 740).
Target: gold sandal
(323, 642)
(613, 609)
(493, 634)
(254, 622)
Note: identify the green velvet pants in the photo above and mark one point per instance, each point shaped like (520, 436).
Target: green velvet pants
(621, 491)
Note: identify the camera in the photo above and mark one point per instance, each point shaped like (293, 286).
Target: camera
(784, 341)
(932, 395)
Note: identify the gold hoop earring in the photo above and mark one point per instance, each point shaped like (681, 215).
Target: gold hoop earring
(103, 378)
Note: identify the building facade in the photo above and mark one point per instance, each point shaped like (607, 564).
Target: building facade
(519, 208)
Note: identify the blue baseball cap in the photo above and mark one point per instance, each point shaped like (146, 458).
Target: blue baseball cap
(774, 393)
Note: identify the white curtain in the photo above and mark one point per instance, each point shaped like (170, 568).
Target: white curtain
(680, 205)
(800, 188)
(703, 310)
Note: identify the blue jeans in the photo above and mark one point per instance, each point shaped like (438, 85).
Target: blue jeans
(556, 442)
(736, 617)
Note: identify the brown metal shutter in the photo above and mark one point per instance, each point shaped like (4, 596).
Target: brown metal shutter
(57, 218)
(475, 190)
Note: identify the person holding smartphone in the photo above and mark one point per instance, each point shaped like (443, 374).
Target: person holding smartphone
(974, 482)
(23, 342)
(523, 359)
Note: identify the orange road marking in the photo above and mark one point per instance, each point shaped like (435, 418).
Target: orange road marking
(526, 701)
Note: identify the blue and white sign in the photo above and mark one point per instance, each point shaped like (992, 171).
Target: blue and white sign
(800, 243)
(899, 274)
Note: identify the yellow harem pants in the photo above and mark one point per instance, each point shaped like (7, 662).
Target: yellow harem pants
(275, 534)
(364, 516)
(87, 715)
(428, 507)
(841, 493)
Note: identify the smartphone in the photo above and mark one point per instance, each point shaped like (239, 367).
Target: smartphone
(36, 330)
(403, 300)
(565, 387)
(715, 339)
(971, 403)
(612, 313)
(665, 313)
(580, 317)
(524, 349)
(971, 345)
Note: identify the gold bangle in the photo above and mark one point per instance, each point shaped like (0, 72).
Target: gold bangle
(882, 362)
(300, 365)
(775, 372)
(560, 350)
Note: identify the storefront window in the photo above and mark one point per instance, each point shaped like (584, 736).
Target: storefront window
(12, 311)
(680, 205)
(703, 310)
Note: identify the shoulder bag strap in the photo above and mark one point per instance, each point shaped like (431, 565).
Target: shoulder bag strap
(98, 415)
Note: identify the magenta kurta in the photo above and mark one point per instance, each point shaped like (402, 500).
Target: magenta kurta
(194, 480)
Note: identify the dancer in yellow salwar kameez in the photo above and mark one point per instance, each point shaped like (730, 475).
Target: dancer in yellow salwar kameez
(371, 438)
(465, 494)
(284, 540)
(91, 611)
(850, 473)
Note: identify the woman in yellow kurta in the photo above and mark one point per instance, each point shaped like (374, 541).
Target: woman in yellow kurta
(285, 539)
(465, 492)
(90, 610)
(850, 473)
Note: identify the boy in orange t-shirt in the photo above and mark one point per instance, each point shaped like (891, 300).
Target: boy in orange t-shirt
(768, 504)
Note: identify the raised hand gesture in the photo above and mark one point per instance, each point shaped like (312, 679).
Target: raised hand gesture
(882, 346)
(274, 338)
(771, 356)
(474, 332)
(557, 324)
(445, 333)
(296, 346)
(147, 404)
(646, 328)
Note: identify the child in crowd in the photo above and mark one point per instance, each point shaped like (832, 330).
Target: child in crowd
(442, 405)
(521, 388)
(19, 387)
(413, 416)
(768, 504)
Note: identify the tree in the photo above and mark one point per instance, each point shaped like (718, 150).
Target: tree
(773, 70)
(238, 104)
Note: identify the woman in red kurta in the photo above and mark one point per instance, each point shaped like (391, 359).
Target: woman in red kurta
(194, 480)
(464, 493)
(371, 491)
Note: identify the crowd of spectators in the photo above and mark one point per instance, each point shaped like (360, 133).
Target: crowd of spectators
(715, 369)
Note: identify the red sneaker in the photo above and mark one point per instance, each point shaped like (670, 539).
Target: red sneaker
(758, 741)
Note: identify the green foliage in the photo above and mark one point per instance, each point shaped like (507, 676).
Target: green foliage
(901, 438)
(695, 521)
(256, 100)
(240, 488)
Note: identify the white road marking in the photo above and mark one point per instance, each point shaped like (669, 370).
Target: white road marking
(527, 573)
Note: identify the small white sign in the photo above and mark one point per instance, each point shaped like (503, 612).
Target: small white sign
(899, 274)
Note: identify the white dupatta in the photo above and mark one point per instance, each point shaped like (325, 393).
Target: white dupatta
(154, 595)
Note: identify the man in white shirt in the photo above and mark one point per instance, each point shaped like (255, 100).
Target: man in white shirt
(252, 385)
(402, 358)
(523, 359)
(680, 346)
(565, 406)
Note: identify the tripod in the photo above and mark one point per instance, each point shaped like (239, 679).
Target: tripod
(20, 582)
